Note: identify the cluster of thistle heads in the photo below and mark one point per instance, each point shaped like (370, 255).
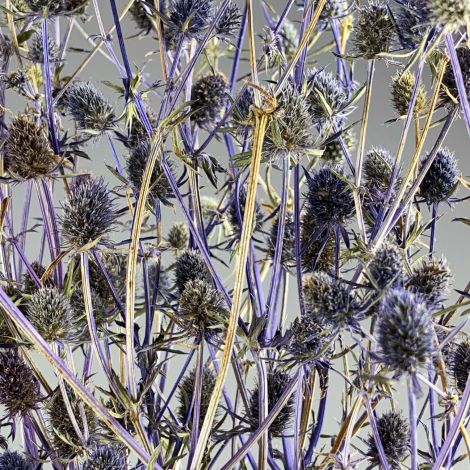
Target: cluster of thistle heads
(218, 266)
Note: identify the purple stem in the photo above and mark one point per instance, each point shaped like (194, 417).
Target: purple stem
(24, 224)
(298, 247)
(413, 424)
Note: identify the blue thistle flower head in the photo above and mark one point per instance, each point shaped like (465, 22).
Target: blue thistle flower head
(88, 214)
(88, 107)
(329, 198)
(228, 26)
(10, 460)
(36, 51)
(290, 132)
(277, 382)
(310, 340)
(386, 267)
(329, 300)
(241, 115)
(190, 266)
(375, 30)
(430, 280)
(326, 98)
(210, 97)
(441, 179)
(50, 312)
(19, 389)
(405, 331)
(459, 364)
(187, 20)
(106, 457)
(395, 437)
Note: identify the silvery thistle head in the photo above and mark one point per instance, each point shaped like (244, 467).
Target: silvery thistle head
(36, 53)
(89, 108)
(405, 332)
(395, 437)
(441, 179)
(27, 151)
(228, 26)
(449, 13)
(402, 91)
(277, 382)
(459, 364)
(88, 214)
(190, 266)
(178, 236)
(11, 460)
(386, 267)
(106, 457)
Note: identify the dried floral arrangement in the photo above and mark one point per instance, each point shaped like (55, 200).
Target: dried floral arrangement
(303, 264)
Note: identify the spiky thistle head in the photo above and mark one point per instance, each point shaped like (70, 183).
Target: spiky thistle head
(310, 340)
(187, 20)
(19, 389)
(50, 312)
(228, 26)
(89, 108)
(411, 18)
(160, 188)
(319, 254)
(404, 331)
(326, 97)
(402, 91)
(235, 216)
(329, 198)
(178, 236)
(36, 50)
(190, 266)
(201, 310)
(290, 131)
(329, 300)
(44, 7)
(28, 153)
(10, 460)
(441, 179)
(65, 440)
(277, 382)
(386, 266)
(209, 95)
(140, 15)
(449, 13)
(186, 393)
(430, 280)
(88, 212)
(459, 364)
(395, 437)
(288, 241)
(29, 286)
(375, 30)
(106, 457)
(450, 94)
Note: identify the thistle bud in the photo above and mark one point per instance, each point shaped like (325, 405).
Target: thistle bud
(329, 299)
(375, 30)
(430, 281)
(395, 437)
(229, 24)
(106, 457)
(19, 390)
(200, 312)
(277, 382)
(160, 188)
(14, 461)
(178, 236)
(50, 312)
(441, 179)
(190, 266)
(402, 91)
(405, 331)
(209, 96)
(28, 153)
(386, 267)
(36, 52)
(459, 364)
(329, 198)
(88, 107)
(88, 213)
(186, 394)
